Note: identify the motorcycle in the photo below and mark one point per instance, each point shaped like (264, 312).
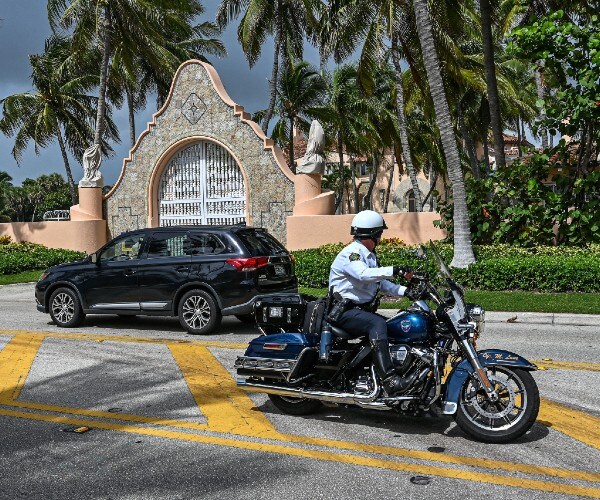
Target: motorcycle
(491, 393)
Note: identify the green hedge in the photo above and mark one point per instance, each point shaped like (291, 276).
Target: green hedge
(20, 257)
(498, 267)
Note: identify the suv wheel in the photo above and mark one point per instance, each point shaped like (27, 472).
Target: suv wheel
(65, 309)
(198, 312)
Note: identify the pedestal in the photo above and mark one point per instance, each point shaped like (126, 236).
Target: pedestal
(90, 204)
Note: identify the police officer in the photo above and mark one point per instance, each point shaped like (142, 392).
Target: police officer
(355, 275)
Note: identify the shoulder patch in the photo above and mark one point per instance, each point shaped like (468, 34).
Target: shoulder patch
(354, 256)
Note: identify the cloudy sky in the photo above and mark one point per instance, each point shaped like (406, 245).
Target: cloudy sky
(23, 29)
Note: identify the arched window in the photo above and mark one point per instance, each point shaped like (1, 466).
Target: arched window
(410, 199)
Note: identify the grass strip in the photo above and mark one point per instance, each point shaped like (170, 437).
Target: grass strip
(24, 277)
(573, 303)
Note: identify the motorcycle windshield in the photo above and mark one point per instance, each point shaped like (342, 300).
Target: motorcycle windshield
(458, 311)
(442, 267)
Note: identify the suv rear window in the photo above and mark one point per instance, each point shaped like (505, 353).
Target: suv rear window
(261, 243)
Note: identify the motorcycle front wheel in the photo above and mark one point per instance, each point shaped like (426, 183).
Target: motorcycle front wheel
(506, 419)
(295, 406)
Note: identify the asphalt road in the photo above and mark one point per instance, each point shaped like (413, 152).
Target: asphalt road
(166, 421)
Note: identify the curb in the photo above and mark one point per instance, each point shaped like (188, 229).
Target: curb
(543, 318)
(554, 319)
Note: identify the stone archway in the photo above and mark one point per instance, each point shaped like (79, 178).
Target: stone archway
(202, 184)
(402, 192)
(198, 110)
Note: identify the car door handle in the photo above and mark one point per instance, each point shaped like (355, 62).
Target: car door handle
(129, 272)
(182, 269)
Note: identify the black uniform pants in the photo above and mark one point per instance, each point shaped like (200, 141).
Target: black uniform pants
(363, 324)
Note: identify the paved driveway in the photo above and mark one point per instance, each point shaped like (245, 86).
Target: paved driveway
(164, 419)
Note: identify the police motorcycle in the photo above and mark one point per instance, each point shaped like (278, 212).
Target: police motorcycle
(490, 393)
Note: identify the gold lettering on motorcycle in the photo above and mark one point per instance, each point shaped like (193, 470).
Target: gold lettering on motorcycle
(512, 357)
(498, 356)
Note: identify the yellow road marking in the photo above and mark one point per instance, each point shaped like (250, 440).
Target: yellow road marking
(15, 361)
(93, 337)
(567, 365)
(329, 456)
(577, 424)
(233, 412)
(126, 417)
(227, 408)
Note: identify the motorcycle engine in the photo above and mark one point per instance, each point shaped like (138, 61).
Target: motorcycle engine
(401, 357)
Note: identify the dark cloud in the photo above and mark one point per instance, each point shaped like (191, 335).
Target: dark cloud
(23, 30)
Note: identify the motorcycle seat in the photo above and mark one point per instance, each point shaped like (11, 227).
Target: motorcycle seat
(339, 333)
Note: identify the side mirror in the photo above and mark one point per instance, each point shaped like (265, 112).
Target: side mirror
(420, 253)
(94, 258)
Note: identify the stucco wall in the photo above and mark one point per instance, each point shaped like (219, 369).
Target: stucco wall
(198, 108)
(311, 231)
(83, 236)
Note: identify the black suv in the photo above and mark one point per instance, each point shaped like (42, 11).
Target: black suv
(198, 273)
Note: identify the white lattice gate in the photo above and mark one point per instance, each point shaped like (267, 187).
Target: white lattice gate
(202, 184)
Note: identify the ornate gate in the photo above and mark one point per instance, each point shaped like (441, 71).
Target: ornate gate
(202, 184)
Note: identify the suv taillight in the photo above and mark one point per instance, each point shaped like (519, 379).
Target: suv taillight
(249, 264)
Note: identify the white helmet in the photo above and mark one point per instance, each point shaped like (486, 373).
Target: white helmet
(367, 224)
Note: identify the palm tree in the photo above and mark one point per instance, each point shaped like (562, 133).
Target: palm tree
(463, 249)
(5, 187)
(144, 27)
(288, 21)
(58, 109)
(132, 78)
(485, 8)
(299, 91)
(346, 119)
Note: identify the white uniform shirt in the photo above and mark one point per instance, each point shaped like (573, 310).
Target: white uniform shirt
(354, 275)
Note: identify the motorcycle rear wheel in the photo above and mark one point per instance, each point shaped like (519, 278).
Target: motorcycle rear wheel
(295, 406)
(507, 419)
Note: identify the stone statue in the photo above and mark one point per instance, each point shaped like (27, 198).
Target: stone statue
(92, 177)
(313, 161)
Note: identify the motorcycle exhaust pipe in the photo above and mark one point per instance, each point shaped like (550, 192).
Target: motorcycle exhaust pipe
(330, 397)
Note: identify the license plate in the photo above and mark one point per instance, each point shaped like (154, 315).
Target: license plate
(276, 312)
(279, 270)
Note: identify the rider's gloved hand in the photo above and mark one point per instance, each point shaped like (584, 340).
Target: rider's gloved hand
(412, 294)
(406, 272)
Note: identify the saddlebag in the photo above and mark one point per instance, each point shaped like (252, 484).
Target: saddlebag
(281, 355)
(280, 312)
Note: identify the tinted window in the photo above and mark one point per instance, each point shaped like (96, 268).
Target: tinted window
(261, 243)
(205, 243)
(167, 245)
(127, 248)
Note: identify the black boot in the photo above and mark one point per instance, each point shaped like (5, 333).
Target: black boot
(392, 383)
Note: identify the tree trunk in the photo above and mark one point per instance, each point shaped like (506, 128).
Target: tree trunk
(406, 154)
(274, 74)
(131, 116)
(389, 186)
(354, 188)
(63, 151)
(291, 162)
(340, 152)
(463, 250)
(485, 122)
(432, 182)
(367, 201)
(469, 146)
(491, 81)
(105, 35)
(539, 85)
(519, 137)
